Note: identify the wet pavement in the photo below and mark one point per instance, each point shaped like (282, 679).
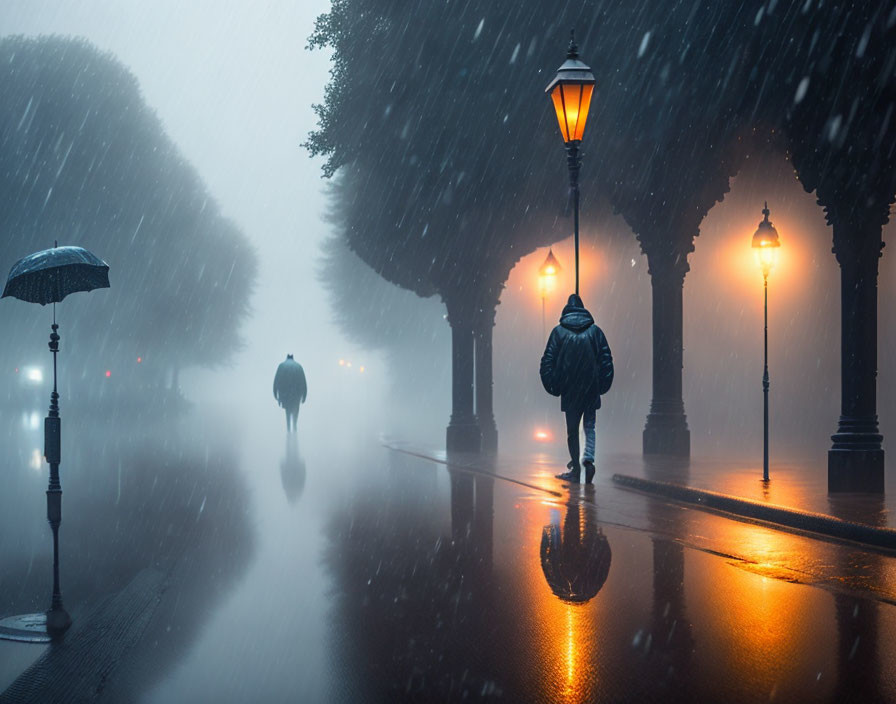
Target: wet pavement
(343, 571)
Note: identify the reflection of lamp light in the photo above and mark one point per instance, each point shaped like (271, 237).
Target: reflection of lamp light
(765, 247)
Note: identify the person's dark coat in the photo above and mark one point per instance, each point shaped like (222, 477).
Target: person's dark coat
(577, 364)
(290, 388)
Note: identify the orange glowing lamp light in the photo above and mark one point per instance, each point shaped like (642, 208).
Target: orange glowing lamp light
(571, 92)
(766, 244)
(542, 435)
(547, 274)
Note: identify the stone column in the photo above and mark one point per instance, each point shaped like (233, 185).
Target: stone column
(485, 415)
(666, 431)
(463, 432)
(856, 460)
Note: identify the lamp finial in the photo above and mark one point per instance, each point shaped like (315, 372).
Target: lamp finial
(573, 51)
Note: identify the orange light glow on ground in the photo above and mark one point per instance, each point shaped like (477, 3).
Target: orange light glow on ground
(759, 623)
(567, 641)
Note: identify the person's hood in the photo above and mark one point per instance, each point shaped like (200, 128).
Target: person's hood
(575, 316)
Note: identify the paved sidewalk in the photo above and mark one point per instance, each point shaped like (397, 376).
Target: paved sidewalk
(79, 667)
(800, 488)
(15, 658)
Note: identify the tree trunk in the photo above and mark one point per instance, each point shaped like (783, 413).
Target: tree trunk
(463, 432)
(485, 415)
(856, 460)
(666, 431)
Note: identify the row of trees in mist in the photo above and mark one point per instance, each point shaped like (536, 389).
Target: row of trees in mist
(448, 165)
(84, 160)
(449, 160)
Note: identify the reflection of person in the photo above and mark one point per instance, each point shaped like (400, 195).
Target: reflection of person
(576, 561)
(577, 366)
(290, 389)
(292, 470)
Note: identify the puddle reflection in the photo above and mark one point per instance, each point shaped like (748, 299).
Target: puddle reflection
(292, 470)
(575, 560)
(171, 499)
(452, 585)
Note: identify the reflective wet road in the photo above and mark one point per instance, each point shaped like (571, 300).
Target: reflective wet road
(317, 570)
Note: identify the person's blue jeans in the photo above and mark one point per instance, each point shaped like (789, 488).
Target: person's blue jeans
(573, 419)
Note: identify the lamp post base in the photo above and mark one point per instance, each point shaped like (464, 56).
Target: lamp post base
(463, 437)
(26, 628)
(856, 471)
(58, 621)
(489, 431)
(667, 435)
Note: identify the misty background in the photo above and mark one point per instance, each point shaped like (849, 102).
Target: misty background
(233, 86)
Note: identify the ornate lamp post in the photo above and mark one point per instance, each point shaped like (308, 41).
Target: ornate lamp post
(765, 248)
(571, 92)
(547, 280)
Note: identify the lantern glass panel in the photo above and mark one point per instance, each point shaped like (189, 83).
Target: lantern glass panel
(571, 103)
(557, 97)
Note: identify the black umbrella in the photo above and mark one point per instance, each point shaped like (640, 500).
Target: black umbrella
(50, 275)
(46, 277)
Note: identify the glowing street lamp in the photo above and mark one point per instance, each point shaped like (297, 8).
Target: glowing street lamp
(571, 92)
(765, 248)
(547, 281)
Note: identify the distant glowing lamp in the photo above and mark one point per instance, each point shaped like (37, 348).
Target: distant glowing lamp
(34, 374)
(547, 274)
(361, 370)
(341, 362)
(766, 244)
(139, 360)
(542, 435)
(108, 373)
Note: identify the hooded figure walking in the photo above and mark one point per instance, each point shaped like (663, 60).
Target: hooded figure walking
(290, 389)
(577, 366)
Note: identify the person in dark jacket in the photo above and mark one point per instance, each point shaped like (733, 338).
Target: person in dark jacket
(577, 366)
(290, 389)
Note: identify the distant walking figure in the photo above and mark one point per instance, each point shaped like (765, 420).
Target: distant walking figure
(577, 366)
(290, 389)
